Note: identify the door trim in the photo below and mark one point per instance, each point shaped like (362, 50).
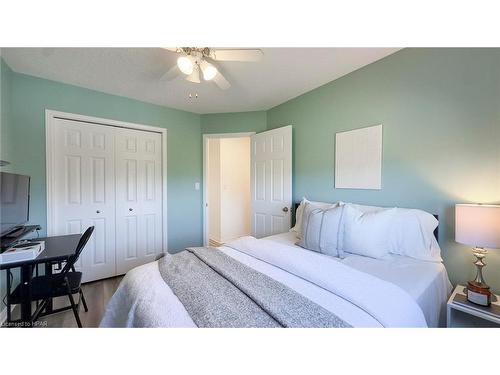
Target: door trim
(206, 137)
(51, 116)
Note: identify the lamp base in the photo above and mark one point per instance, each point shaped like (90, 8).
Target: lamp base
(478, 293)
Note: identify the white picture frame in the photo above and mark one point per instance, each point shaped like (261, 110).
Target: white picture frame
(358, 158)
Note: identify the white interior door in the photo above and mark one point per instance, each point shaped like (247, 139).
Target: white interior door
(84, 192)
(271, 179)
(138, 198)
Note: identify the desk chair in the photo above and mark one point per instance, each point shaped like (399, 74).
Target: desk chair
(65, 283)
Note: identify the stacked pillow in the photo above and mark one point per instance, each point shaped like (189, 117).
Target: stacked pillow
(318, 228)
(413, 235)
(298, 213)
(335, 228)
(366, 233)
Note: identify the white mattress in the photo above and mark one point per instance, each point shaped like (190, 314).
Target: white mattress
(426, 282)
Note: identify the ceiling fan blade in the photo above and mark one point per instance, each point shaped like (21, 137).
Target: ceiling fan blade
(172, 73)
(172, 49)
(236, 54)
(221, 81)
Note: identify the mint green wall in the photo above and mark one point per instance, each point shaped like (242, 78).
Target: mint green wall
(440, 109)
(31, 96)
(5, 137)
(5, 113)
(241, 122)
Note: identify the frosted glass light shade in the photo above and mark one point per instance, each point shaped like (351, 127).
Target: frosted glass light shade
(209, 71)
(185, 65)
(478, 225)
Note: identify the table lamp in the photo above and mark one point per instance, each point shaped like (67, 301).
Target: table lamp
(478, 225)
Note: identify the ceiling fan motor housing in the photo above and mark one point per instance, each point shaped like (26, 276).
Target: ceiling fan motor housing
(202, 52)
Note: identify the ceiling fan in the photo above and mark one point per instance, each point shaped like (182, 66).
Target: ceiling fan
(200, 61)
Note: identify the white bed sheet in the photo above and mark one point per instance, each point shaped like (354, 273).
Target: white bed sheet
(426, 282)
(143, 299)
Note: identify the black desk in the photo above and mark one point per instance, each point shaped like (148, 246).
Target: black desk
(57, 249)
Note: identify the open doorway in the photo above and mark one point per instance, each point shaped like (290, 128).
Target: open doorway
(226, 185)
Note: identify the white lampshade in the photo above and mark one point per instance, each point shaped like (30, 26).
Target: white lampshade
(209, 71)
(185, 64)
(478, 225)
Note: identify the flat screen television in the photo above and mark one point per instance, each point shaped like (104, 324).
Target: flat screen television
(14, 201)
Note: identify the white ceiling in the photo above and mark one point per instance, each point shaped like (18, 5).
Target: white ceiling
(283, 74)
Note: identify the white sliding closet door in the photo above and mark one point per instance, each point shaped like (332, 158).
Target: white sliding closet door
(84, 192)
(138, 198)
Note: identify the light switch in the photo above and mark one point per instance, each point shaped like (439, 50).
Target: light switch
(196, 186)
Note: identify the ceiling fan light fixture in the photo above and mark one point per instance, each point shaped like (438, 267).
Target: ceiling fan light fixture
(209, 71)
(185, 65)
(194, 76)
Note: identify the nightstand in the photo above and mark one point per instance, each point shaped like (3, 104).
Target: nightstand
(462, 313)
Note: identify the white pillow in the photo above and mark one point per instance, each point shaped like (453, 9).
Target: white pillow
(413, 235)
(320, 229)
(413, 232)
(364, 208)
(366, 233)
(300, 209)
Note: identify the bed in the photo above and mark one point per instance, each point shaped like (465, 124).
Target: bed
(363, 292)
(426, 282)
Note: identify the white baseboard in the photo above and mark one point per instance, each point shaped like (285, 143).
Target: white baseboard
(214, 243)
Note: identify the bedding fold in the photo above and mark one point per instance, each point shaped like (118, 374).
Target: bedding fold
(219, 291)
(387, 303)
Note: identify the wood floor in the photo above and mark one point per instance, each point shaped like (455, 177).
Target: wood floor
(97, 294)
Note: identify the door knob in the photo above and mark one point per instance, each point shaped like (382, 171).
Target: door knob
(285, 209)
(131, 209)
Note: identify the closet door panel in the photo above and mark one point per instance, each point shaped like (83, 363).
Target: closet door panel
(85, 192)
(138, 198)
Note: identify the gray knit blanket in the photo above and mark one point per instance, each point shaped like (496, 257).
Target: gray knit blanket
(219, 291)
